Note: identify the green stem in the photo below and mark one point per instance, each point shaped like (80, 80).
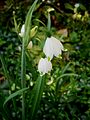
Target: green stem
(25, 42)
(23, 71)
(49, 22)
(49, 26)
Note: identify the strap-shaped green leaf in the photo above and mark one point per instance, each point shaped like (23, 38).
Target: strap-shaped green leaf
(28, 23)
(36, 96)
(59, 81)
(25, 42)
(14, 95)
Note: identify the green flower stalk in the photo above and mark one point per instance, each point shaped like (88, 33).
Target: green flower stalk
(25, 41)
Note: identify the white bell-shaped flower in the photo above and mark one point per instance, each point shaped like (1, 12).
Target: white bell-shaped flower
(44, 66)
(53, 47)
(22, 30)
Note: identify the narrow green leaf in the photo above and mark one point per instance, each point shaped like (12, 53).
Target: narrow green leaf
(36, 96)
(28, 23)
(15, 94)
(4, 66)
(25, 42)
(68, 6)
(40, 22)
(60, 81)
(65, 68)
(68, 74)
(82, 7)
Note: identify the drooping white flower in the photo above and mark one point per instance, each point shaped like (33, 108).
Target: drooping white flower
(22, 30)
(53, 47)
(44, 66)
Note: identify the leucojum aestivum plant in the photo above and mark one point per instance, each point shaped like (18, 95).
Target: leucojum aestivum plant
(52, 48)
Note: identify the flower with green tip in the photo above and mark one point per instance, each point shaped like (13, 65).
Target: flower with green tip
(53, 47)
(44, 66)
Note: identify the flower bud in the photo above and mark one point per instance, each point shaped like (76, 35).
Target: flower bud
(22, 30)
(30, 45)
(33, 31)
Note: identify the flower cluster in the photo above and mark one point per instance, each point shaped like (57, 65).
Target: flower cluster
(53, 47)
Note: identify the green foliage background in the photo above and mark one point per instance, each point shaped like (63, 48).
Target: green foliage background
(66, 94)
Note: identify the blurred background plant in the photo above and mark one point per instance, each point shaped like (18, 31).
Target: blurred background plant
(67, 91)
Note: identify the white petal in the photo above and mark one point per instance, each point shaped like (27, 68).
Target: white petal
(22, 30)
(57, 47)
(57, 43)
(52, 47)
(48, 48)
(44, 66)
